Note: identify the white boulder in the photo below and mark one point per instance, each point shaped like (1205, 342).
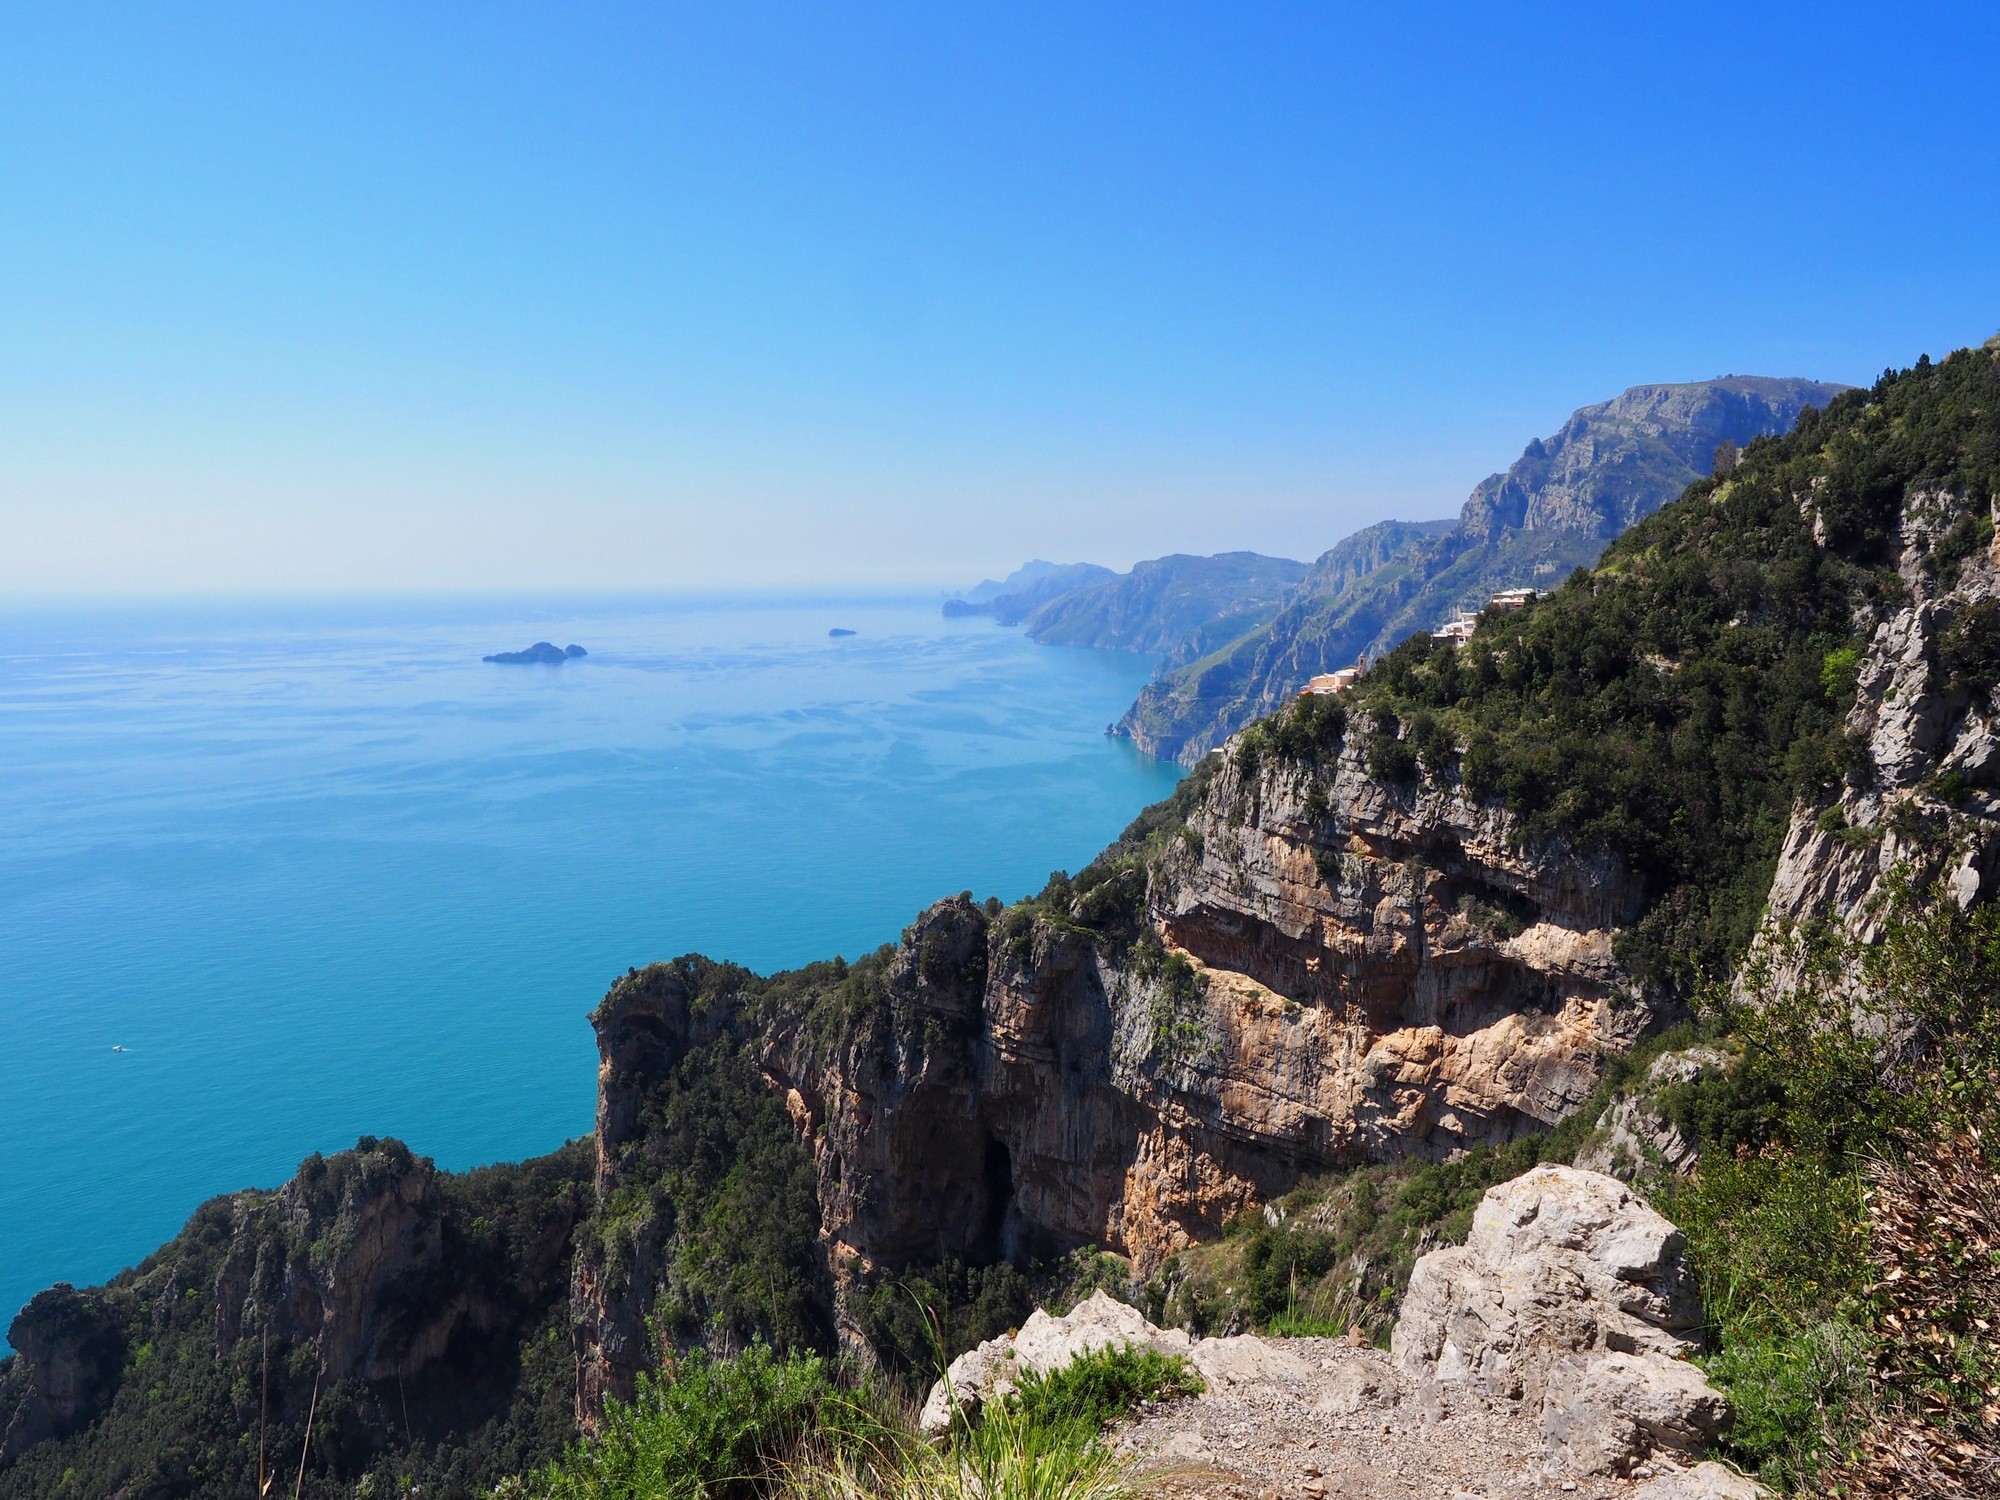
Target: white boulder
(1607, 1413)
(1100, 1321)
(1246, 1359)
(1571, 1294)
(1708, 1481)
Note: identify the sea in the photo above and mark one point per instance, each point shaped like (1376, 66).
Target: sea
(274, 875)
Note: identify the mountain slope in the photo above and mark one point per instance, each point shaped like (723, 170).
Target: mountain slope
(1553, 511)
(1167, 600)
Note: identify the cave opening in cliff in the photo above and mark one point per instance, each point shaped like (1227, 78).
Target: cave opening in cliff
(997, 1229)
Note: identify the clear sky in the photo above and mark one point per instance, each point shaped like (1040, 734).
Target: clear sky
(416, 296)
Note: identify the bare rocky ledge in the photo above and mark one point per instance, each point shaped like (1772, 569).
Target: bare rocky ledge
(1547, 1356)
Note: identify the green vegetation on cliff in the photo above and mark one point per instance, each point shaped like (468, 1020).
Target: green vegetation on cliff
(180, 1416)
(1672, 705)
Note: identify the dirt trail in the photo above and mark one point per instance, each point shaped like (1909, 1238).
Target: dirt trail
(1352, 1430)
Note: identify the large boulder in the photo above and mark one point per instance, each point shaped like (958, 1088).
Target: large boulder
(1607, 1412)
(1708, 1481)
(1570, 1294)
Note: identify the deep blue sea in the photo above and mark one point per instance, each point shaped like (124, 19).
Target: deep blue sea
(322, 872)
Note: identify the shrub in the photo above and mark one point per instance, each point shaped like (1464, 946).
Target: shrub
(949, 1303)
(1103, 1386)
(711, 1430)
(1795, 1394)
(1311, 731)
(1007, 1457)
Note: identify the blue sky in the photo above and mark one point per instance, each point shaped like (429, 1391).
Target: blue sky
(314, 297)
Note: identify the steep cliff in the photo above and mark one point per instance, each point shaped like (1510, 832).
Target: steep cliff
(1923, 717)
(1292, 967)
(1555, 510)
(403, 1321)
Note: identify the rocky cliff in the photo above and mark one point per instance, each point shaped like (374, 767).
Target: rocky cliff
(397, 1314)
(1295, 968)
(1553, 511)
(1923, 717)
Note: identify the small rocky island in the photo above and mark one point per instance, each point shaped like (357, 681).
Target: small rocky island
(542, 653)
(838, 631)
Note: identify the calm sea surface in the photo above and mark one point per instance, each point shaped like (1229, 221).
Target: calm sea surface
(321, 872)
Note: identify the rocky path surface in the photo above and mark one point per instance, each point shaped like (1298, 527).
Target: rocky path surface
(1347, 1426)
(1553, 1353)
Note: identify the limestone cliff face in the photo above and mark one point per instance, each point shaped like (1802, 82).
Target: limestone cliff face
(315, 1263)
(389, 1296)
(1387, 971)
(1930, 801)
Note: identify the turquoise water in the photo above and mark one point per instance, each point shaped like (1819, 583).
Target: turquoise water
(324, 873)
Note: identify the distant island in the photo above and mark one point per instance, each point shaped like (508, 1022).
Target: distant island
(542, 653)
(839, 630)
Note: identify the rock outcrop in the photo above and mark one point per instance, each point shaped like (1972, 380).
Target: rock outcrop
(1570, 1295)
(1635, 1138)
(386, 1296)
(74, 1346)
(366, 1221)
(1929, 804)
(1046, 1344)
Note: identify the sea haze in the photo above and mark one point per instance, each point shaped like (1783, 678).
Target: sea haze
(324, 873)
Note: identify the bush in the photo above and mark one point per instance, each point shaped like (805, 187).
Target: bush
(1777, 1240)
(1794, 1394)
(948, 1302)
(1102, 1387)
(711, 1430)
(1843, 1221)
(1389, 759)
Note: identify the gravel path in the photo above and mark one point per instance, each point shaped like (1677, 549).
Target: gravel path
(1353, 1430)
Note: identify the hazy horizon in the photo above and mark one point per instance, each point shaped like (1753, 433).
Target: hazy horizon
(375, 300)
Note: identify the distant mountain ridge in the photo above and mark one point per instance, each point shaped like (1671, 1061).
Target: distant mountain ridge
(1167, 601)
(1012, 599)
(1555, 510)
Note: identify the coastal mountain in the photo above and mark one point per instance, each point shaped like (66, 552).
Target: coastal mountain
(1553, 511)
(1411, 934)
(1024, 590)
(1167, 601)
(1025, 576)
(1179, 602)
